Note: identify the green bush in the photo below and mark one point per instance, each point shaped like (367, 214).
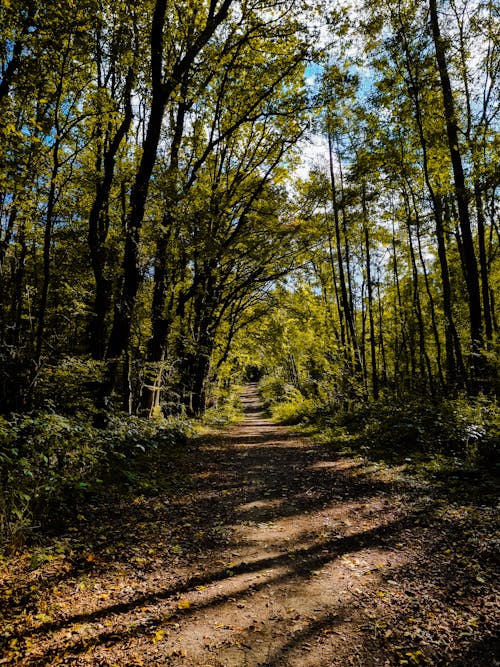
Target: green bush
(273, 389)
(50, 462)
(465, 426)
(472, 426)
(68, 387)
(285, 402)
(225, 408)
(296, 408)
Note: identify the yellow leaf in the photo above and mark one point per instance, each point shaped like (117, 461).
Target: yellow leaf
(138, 560)
(158, 636)
(183, 604)
(43, 618)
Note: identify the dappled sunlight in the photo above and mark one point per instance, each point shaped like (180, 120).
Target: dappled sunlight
(337, 464)
(275, 590)
(262, 558)
(260, 504)
(269, 593)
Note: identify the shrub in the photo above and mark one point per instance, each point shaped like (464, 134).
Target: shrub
(69, 386)
(224, 405)
(286, 403)
(471, 426)
(296, 408)
(465, 426)
(273, 389)
(50, 462)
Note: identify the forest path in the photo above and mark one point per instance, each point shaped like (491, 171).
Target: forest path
(273, 552)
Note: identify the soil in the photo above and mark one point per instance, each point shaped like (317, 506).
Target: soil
(262, 549)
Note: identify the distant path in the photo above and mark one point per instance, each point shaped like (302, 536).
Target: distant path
(274, 553)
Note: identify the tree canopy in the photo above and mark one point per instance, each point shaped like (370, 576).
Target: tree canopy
(160, 221)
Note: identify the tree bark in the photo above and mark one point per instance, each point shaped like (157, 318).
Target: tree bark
(425, 363)
(371, 319)
(98, 230)
(453, 360)
(47, 245)
(483, 263)
(344, 301)
(471, 270)
(161, 92)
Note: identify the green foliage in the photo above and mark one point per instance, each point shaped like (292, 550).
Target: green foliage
(186, 258)
(465, 427)
(296, 409)
(285, 402)
(224, 407)
(50, 463)
(471, 426)
(273, 389)
(69, 386)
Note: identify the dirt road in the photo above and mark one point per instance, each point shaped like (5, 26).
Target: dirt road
(267, 551)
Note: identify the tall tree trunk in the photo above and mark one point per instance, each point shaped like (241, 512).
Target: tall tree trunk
(10, 70)
(98, 230)
(425, 363)
(363, 339)
(160, 319)
(453, 360)
(345, 302)
(471, 270)
(162, 88)
(160, 325)
(16, 375)
(432, 308)
(371, 319)
(5, 241)
(196, 366)
(16, 307)
(47, 260)
(383, 370)
(124, 308)
(199, 374)
(347, 250)
(399, 315)
(338, 298)
(483, 262)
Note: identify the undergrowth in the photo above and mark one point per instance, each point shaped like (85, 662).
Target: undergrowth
(452, 445)
(224, 409)
(464, 427)
(56, 458)
(51, 463)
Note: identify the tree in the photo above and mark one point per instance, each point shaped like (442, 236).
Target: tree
(461, 194)
(166, 76)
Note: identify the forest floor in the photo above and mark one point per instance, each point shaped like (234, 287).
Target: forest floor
(258, 547)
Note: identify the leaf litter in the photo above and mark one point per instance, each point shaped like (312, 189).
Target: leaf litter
(269, 552)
